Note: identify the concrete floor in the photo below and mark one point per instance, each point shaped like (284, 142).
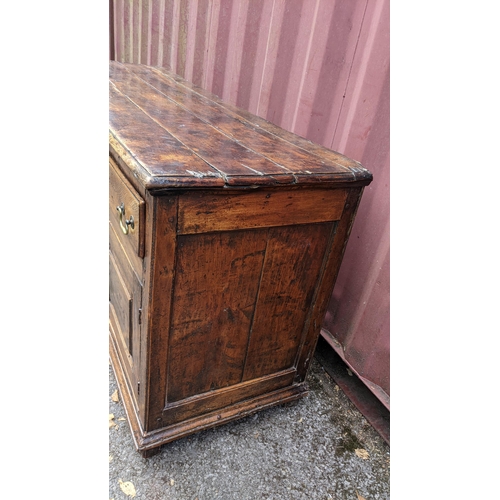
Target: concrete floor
(308, 449)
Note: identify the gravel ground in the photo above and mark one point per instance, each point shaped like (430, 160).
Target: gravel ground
(320, 447)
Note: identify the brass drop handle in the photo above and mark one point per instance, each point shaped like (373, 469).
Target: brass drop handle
(128, 223)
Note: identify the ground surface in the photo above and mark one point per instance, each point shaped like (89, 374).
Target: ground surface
(320, 447)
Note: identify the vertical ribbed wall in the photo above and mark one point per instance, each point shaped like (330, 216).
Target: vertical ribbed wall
(319, 68)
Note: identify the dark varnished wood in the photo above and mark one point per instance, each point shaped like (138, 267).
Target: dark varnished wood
(122, 192)
(160, 302)
(153, 147)
(329, 272)
(216, 300)
(154, 114)
(125, 302)
(291, 159)
(354, 169)
(205, 212)
(289, 277)
(200, 404)
(222, 153)
(218, 275)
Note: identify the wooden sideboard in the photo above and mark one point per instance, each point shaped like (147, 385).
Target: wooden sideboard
(226, 234)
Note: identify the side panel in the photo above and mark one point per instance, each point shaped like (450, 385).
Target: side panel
(215, 292)
(237, 315)
(289, 277)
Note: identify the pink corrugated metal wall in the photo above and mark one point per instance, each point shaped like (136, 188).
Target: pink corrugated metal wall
(319, 68)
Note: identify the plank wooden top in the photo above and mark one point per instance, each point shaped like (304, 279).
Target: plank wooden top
(172, 134)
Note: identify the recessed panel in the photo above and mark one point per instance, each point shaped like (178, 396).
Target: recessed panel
(215, 292)
(292, 267)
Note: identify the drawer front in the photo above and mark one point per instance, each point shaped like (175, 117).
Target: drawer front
(125, 307)
(126, 215)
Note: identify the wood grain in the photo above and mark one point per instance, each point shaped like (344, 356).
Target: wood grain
(181, 135)
(201, 404)
(120, 298)
(223, 153)
(289, 277)
(121, 191)
(146, 441)
(152, 147)
(289, 155)
(346, 166)
(215, 290)
(351, 168)
(206, 211)
(337, 244)
(217, 296)
(161, 275)
(125, 301)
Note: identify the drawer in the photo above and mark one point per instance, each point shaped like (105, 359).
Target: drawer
(125, 307)
(127, 215)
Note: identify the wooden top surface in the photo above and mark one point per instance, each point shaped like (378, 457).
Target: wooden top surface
(172, 134)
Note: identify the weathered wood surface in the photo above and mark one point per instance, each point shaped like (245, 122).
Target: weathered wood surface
(178, 137)
(205, 212)
(121, 191)
(217, 281)
(328, 274)
(216, 298)
(158, 306)
(289, 277)
(120, 297)
(207, 402)
(125, 299)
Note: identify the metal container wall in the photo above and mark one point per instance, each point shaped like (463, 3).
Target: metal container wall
(319, 68)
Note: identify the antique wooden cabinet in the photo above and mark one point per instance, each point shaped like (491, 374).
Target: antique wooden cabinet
(226, 235)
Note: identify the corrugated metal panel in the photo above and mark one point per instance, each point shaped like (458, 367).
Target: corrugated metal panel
(358, 314)
(319, 68)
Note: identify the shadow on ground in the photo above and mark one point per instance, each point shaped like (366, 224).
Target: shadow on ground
(320, 447)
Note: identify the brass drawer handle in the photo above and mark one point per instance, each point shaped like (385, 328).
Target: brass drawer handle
(128, 223)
